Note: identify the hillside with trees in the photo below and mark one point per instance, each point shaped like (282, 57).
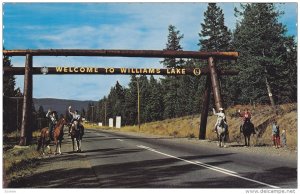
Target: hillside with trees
(267, 64)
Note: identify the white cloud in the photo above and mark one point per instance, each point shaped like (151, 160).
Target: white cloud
(145, 27)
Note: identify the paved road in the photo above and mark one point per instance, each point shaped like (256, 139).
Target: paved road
(125, 160)
(122, 160)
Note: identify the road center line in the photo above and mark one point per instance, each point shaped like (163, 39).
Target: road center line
(215, 167)
(211, 167)
(119, 139)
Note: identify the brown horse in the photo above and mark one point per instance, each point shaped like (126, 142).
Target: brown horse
(57, 136)
(76, 134)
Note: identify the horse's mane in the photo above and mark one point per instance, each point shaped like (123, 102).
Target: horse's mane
(247, 120)
(60, 122)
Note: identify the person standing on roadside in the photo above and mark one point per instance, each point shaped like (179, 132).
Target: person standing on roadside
(283, 138)
(275, 134)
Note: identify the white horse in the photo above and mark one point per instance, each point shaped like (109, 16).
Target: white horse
(221, 133)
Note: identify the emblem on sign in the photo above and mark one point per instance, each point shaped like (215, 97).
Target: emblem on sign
(44, 70)
(197, 71)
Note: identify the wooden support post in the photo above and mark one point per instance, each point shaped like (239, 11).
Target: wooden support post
(215, 84)
(26, 128)
(205, 107)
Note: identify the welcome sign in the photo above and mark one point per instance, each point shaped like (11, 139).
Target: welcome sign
(114, 71)
(109, 70)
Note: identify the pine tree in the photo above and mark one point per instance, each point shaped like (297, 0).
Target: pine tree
(154, 107)
(101, 111)
(9, 104)
(260, 40)
(173, 44)
(8, 80)
(115, 105)
(131, 102)
(145, 91)
(171, 83)
(290, 62)
(215, 36)
(189, 98)
(119, 100)
(89, 111)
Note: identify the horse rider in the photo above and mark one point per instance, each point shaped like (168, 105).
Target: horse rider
(220, 117)
(52, 116)
(246, 115)
(75, 119)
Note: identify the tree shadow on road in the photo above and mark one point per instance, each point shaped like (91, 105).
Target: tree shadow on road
(152, 173)
(283, 177)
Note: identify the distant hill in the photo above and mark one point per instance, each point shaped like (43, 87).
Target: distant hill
(60, 105)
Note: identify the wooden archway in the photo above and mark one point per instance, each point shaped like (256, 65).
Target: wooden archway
(211, 72)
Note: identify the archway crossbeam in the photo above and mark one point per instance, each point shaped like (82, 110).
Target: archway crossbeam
(124, 53)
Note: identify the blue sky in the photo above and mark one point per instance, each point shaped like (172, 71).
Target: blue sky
(104, 26)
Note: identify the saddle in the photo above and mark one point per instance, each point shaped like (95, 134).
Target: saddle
(222, 124)
(51, 135)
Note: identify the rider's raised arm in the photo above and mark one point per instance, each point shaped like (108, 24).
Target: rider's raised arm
(48, 114)
(71, 113)
(214, 112)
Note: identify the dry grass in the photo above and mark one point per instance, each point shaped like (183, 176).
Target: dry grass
(92, 126)
(262, 115)
(18, 161)
(179, 127)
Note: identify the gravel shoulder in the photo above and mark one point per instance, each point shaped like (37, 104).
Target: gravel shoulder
(68, 170)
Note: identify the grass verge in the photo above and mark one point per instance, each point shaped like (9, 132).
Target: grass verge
(18, 161)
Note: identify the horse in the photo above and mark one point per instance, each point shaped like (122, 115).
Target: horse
(221, 133)
(76, 134)
(57, 136)
(247, 130)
